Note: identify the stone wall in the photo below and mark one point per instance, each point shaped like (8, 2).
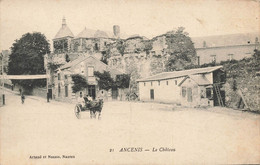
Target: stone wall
(242, 75)
(90, 45)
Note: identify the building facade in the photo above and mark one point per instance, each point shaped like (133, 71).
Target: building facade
(195, 87)
(225, 47)
(62, 88)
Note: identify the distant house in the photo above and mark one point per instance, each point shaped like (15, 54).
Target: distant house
(62, 89)
(225, 47)
(194, 87)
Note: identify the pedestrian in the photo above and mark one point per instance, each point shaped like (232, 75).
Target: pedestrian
(22, 98)
(20, 90)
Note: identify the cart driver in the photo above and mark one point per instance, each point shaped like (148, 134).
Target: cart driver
(89, 98)
(81, 100)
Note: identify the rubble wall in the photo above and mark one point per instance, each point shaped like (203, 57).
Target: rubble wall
(242, 75)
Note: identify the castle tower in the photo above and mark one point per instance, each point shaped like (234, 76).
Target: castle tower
(62, 40)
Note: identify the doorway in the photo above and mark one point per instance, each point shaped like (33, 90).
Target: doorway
(114, 93)
(189, 94)
(152, 94)
(50, 93)
(92, 91)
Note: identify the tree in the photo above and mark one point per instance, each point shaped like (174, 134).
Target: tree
(120, 47)
(181, 50)
(148, 46)
(79, 83)
(27, 58)
(134, 72)
(105, 56)
(256, 55)
(105, 81)
(122, 81)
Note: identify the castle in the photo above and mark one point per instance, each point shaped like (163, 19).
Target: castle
(136, 55)
(147, 56)
(122, 53)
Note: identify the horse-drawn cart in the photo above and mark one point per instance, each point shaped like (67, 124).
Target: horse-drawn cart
(93, 106)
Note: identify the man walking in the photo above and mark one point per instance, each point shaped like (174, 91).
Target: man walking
(22, 98)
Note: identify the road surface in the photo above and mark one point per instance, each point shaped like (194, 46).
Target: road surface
(145, 133)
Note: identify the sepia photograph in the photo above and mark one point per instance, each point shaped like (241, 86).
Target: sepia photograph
(128, 82)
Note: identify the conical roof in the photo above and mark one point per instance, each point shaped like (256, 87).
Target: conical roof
(86, 33)
(100, 34)
(64, 31)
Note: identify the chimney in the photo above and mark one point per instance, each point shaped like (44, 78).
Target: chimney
(116, 30)
(204, 44)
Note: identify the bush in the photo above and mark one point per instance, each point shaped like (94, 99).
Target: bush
(79, 83)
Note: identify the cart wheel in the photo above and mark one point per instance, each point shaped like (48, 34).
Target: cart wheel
(77, 111)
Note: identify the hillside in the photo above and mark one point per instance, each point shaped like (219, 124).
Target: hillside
(242, 75)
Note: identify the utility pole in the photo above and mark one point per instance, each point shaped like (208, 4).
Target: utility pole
(3, 94)
(47, 81)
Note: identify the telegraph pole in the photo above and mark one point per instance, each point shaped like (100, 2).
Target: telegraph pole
(3, 95)
(47, 70)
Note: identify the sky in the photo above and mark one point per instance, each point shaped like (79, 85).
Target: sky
(144, 17)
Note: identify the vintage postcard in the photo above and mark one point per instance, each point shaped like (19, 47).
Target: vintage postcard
(113, 82)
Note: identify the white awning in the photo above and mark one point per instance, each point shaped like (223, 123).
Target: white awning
(24, 77)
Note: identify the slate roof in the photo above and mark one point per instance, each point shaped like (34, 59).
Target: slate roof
(64, 32)
(100, 34)
(225, 40)
(135, 36)
(79, 60)
(86, 33)
(176, 74)
(90, 33)
(74, 62)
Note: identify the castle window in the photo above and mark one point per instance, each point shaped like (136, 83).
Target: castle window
(166, 82)
(144, 83)
(183, 91)
(90, 71)
(58, 76)
(76, 46)
(176, 82)
(66, 91)
(96, 46)
(58, 90)
(105, 43)
(65, 77)
(159, 83)
(151, 83)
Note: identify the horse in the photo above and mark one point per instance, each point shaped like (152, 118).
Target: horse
(94, 107)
